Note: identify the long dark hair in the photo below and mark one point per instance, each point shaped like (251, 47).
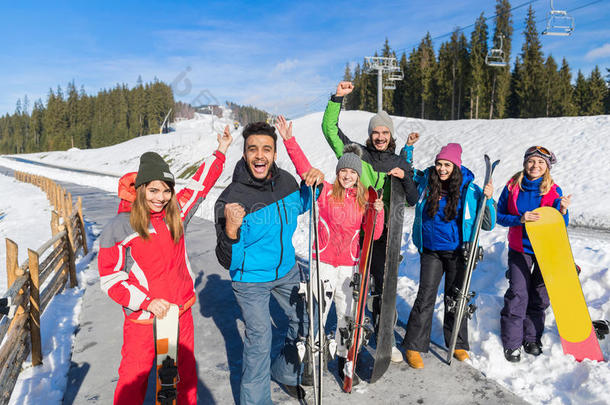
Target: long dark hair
(452, 186)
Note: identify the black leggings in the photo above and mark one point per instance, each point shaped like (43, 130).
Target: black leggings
(433, 265)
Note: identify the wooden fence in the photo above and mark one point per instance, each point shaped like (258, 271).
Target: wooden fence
(32, 285)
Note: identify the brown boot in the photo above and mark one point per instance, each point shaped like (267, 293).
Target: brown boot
(414, 359)
(461, 354)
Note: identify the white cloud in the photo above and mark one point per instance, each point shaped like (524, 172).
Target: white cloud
(599, 53)
(286, 66)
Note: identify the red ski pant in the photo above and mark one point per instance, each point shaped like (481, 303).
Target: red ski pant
(138, 355)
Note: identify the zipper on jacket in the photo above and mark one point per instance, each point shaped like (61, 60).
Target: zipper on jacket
(279, 212)
(241, 276)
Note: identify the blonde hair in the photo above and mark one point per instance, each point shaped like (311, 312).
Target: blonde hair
(139, 218)
(338, 193)
(545, 185)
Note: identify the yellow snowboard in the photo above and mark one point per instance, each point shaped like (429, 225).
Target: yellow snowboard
(549, 239)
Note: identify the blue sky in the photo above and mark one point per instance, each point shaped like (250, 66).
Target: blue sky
(283, 56)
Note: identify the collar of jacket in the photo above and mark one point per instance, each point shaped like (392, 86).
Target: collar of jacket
(243, 175)
(380, 154)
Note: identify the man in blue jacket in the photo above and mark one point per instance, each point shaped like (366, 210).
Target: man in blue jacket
(256, 216)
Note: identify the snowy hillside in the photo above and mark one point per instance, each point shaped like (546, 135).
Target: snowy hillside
(581, 145)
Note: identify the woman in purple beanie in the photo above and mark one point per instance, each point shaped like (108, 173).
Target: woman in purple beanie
(525, 301)
(444, 219)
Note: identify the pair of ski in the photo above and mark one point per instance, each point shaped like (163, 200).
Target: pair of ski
(315, 344)
(360, 327)
(460, 304)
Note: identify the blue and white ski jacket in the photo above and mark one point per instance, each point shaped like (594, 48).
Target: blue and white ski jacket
(263, 250)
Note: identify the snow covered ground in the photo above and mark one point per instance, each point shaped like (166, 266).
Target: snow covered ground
(581, 145)
(25, 218)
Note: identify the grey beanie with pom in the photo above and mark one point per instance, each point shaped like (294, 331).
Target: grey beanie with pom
(351, 159)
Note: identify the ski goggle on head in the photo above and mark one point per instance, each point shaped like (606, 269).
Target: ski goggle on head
(541, 151)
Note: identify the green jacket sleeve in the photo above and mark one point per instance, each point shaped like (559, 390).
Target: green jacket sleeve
(330, 126)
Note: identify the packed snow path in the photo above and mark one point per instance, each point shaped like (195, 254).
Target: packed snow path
(218, 344)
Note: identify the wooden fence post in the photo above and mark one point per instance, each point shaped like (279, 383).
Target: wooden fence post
(12, 262)
(71, 263)
(35, 308)
(81, 222)
(54, 223)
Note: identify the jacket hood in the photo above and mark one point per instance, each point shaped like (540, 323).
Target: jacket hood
(127, 191)
(467, 175)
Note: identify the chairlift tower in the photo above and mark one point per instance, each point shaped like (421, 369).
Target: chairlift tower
(381, 65)
(558, 23)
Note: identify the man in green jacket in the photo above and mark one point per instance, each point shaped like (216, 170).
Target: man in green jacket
(379, 161)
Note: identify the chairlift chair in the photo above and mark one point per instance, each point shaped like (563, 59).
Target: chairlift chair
(558, 23)
(495, 57)
(396, 76)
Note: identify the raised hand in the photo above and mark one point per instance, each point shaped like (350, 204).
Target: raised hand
(283, 128)
(234, 214)
(224, 140)
(413, 138)
(564, 204)
(344, 88)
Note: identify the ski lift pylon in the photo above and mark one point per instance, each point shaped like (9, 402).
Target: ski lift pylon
(495, 57)
(558, 23)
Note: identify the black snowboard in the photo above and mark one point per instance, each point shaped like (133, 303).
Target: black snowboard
(385, 328)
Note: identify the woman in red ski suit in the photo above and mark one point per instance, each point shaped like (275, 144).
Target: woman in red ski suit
(143, 266)
(341, 208)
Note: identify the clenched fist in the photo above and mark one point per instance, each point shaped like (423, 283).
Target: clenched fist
(234, 214)
(344, 88)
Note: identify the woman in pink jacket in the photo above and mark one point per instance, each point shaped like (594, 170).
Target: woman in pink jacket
(341, 208)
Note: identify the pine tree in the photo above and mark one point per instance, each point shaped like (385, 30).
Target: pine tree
(607, 101)
(514, 102)
(581, 94)
(598, 92)
(354, 100)
(398, 98)
(565, 91)
(478, 82)
(530, 88)
(347, 77)
(502, 76)
(551, 82)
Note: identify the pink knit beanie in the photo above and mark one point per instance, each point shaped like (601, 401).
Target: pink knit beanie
(451, 152)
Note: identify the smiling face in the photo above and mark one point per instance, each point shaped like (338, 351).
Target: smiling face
(380, 137)
(535, 167)
(259, 155)
(158, 194)
(444, 168)
(347, 177)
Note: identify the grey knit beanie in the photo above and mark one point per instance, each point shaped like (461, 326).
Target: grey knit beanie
(351, 159)
(381, 119)
(153, 167)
